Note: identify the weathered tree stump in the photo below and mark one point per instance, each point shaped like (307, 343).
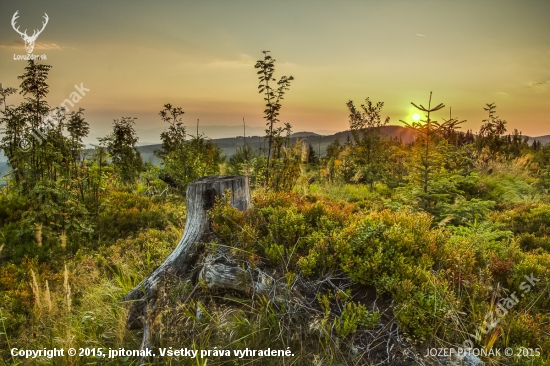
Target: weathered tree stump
(201, 196)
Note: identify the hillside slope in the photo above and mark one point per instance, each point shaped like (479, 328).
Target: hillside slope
(229, 145)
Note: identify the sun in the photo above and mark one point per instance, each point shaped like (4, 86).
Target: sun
(416, 117)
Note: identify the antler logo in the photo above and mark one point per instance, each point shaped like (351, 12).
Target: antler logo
(29, 40)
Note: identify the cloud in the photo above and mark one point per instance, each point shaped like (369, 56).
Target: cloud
(12, 44)
(538, 84)
(288, 64)
(49, 46)
(37, 46)
(244, 61)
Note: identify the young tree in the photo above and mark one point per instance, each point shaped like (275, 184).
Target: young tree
(448, 130)
(273, 97)
(173, 139)
(26, 120)
(35, 89)
(12, 124)
(491, 131)
(121, 145)
(434, 181)
(331, 160)
(369, 154)
(312, 157)
(78, 129)
(4, 93)
(185, 160)
(542, 163)
(44, 160)
(97, 173)
(427, 130)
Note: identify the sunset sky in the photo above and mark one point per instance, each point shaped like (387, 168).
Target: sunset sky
(135, 56)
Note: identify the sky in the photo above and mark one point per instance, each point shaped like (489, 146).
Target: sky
(135, 56)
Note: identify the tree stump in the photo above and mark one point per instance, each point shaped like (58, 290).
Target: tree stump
(201, 196)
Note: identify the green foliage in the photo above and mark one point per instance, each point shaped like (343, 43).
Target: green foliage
(241, 161)
(173, 139)
(369, 152)
(320, 257)
(284, 230)
(352, 316)
(184, 160)
(542, 169)
(125, 214)
(273, 97)
(389, 250)
(311, 155)
(427, 312)
(45, 152)
(462, 211)
(231, 226)
(284, 167)
(198, 158)
(121, 145)
(508, 189)
(78, 128)
(491, 131)
(533, 219)
(451, 198)
(137, 256)
(427, 153)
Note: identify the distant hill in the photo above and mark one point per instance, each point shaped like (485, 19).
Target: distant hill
(229, 145)
(3, 168)
(543, 139)
(406, 135)
(304, 134)
(3, 163)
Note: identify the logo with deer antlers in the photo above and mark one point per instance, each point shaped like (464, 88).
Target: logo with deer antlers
(29, 40)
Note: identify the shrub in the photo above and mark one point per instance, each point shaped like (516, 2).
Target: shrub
(531, 218)
(126, 214)
(385, 249)
(428, 311)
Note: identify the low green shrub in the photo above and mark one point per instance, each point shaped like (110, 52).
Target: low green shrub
(385, 249)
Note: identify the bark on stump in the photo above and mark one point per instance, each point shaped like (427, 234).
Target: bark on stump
(201, 196)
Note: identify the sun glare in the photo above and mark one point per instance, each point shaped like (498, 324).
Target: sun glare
(416, 117)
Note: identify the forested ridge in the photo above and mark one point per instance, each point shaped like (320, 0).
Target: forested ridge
(368, 253)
